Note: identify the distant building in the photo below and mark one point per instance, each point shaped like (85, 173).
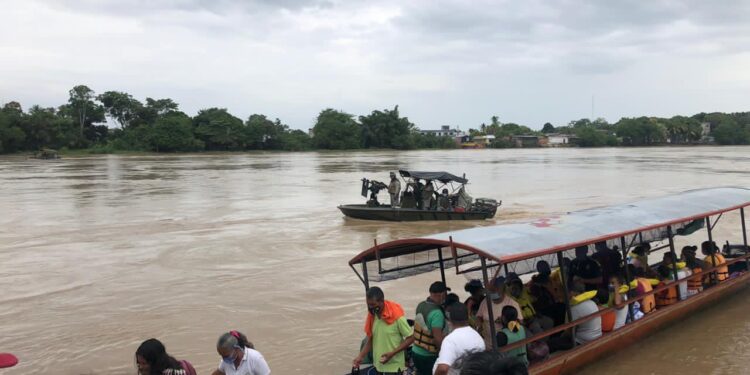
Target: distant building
(558, 140)
(311, 132)
(444, 131)
(484, 140)
(525, 140)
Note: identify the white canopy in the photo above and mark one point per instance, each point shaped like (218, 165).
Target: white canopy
(514, 242)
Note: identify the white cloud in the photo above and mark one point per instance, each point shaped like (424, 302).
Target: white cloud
(456, 62)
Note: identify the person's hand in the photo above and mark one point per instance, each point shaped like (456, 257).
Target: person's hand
(357, 361)
(386, 357)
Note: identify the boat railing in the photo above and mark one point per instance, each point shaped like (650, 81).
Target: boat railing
(584, 319)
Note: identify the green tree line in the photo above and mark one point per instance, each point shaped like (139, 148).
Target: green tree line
(725, 128)
(158, 125)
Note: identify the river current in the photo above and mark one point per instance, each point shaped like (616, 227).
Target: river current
(100, 253)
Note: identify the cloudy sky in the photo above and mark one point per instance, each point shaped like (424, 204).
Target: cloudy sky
(442, 62)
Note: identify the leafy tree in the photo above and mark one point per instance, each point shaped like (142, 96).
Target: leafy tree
(264, 134)
(218, 129)
(641, 131)
(592, 137)
(731, 133)
(121, 107)
(82, 108)
(12, 137)
(155, 108)
(433, 141)
(548, 128)
(336, 130)
(173, 132)
(296, 140)
(387, 129)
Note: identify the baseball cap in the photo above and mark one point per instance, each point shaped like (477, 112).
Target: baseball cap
(438, 287)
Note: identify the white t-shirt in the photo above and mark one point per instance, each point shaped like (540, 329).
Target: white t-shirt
(589, 330)
(252, 363)
(621, 315)
(458, 343)
(681, 274)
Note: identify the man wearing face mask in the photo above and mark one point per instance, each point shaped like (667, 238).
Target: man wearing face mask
(429, 328)
(388, 334)
(497, 299)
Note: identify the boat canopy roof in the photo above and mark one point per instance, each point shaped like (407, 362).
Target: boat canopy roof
(443, 177)
(520, 241)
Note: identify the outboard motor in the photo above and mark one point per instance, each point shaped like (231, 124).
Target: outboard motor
(486, 205)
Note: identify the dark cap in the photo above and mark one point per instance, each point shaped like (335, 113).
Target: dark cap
(438, 287)
(457, 313)
(690, 248)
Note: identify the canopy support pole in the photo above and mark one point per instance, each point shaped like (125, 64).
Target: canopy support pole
(442, 266)
(674, 260)
(713, 276)
(628, 278)
(365, 280)
(564, 277)
(490, 315)
(744, 233)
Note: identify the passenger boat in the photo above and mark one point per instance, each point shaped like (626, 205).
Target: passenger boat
(687, 216)
(462, 206)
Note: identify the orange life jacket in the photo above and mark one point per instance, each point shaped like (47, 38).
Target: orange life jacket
(666, 297)
(721, 273)
(695, 283)
(648, 303)
(608, 321)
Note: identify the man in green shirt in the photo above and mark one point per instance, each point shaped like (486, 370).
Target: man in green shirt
(429, 329)
(388, 334)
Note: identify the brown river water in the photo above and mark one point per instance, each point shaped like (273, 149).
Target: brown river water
(100, 253)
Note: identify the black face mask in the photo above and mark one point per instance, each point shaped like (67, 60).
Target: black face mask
(374, 310)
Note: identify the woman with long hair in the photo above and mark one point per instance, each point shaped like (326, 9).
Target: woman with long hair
(152, 359)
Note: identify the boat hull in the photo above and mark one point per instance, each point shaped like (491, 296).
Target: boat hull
(386, 213)
(569, 362)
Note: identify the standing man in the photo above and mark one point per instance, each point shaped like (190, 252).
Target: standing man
(427, 193)
(429, 327)
(394, 189)
(462, 341)
(388, 334)
(497, 299)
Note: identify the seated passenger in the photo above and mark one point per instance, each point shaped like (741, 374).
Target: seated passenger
(682, 273)
(444, 201)
(513, 331)
(639, 258)
(668, 296)
(696, 266)
(585, 269)
(536, 322)
(497, 300)
(642, 286)
(609, 260)
(714, 259)
(581, 305)
(547, 293)
(616, 296)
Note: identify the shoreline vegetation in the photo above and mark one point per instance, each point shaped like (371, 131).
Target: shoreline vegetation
(79, 127)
